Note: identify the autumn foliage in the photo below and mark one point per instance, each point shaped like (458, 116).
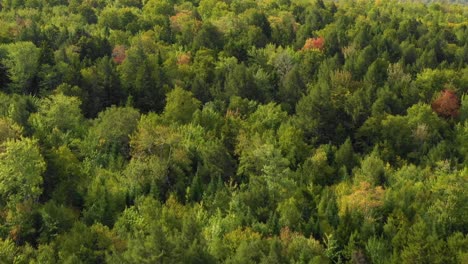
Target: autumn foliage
(118, 54)
(364, 198)
(178, 19)
(446, 104)
(184, 59)
(314, 44)
(184, 20)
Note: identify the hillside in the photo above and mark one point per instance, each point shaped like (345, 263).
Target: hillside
(235, 131)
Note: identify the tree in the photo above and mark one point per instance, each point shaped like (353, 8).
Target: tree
(422, 246)
(93, 47)
(240, 82)
(9, 130)
(180, 106)
(315, 114)
(101, 87)
(155, 232)
(378, 250)
(118, 54)
(108, 138)
(462, 139)
(22, 61)
(314, 44)
(290, 215)
(260, 20)
(317, 169)
(372, 170)
(105, 198)
(309, 65)
(447, 104)
(4, 79)
(83, 244)
(159, 157)
(208, 37)
(377, 73)
(291, 89)
(345, 156)
(21, 169)
(364, 199)
(55, 219)
(58, 120)
(283, 28)
(143, 78)
(64, 180)
(148, 176)
(185, 26)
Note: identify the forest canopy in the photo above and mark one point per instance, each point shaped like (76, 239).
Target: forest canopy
(234, 131)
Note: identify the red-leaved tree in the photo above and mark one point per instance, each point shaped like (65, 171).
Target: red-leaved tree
(446, 104)
(314, 43)
(118, 54)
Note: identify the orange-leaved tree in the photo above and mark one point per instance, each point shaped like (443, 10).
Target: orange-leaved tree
(314, 44)
(446, 104)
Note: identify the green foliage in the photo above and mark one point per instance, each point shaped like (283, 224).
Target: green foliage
(345, 156)
(142, 77)
(56, 219)
(7, 251)
(9, 129)
(372, 170)
(84, 244)
(58, 120)
(21, 169)
(317, 168)
(22, 61)
(180, 106)
(105, 199)
(240, 131)
(102, 87)
(108, 137)
(63, 179)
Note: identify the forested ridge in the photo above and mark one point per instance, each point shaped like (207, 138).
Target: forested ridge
(235, 131)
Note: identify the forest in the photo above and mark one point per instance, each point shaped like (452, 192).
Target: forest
(233, 131)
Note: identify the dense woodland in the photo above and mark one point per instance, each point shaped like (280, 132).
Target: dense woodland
(235, 131)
